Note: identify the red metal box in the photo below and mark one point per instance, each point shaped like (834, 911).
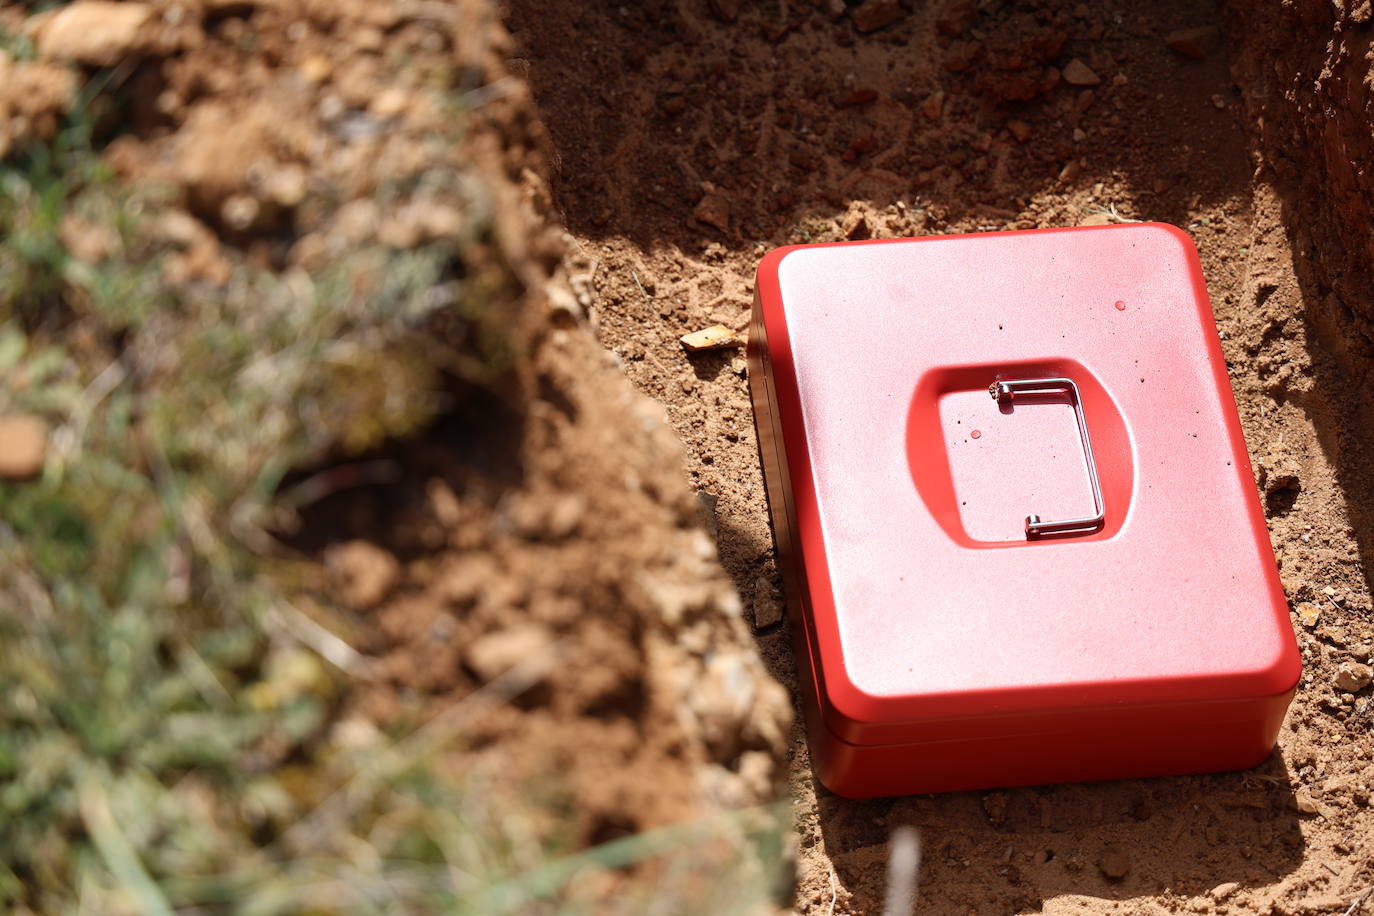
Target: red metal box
(1014, 511)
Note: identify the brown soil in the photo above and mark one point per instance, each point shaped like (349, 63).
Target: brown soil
(529, 572)
(692, 137)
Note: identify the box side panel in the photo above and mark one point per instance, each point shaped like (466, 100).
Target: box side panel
(1127, 747)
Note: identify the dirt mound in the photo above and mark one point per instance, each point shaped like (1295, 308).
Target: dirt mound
(692, 138)
(347, 264)
(1306, 69)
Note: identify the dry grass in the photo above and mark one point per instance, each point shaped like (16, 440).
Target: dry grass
(172, 737)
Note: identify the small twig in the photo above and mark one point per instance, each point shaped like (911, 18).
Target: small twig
(340, 477)
(1359, 901)
(903, 864)
(645, 292)
(483, 95)
(68, 439)
(834, 892)
(326, 644)
(117, 852)
(1331, 868)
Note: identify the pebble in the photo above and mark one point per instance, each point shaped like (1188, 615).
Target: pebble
(93, 32)
(1114, 863)
(1353, 677)
(713, 210)
(1218, 102)
(872, 15)
(727, 10)
(933, 106)
(389, 103)
(1309, 614)
(315, 69)
(88, 241)
(956, 17)
(1079, 135)
(858, 97)
(1077, 73)
(363, 573)
(494, 654)
(23, 446)
(1020, 130)
(1196, 43)
(1224, 890)
(767, 607)
(716, 337)
(995, 806)
(1279, 472)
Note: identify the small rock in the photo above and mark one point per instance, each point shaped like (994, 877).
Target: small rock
(933, 106)
(960, 56)
(93, 32)
(389, 103)
(1077, 73)
(363, 573)
(872, 15)
(716, 337)
(767, 607)
(1218, 102)
(855, 226)
(87, 241)
(713, 210)
(727, 10)
(956, 17)
(858, 97)
(240, 212)
(315, 69)
(1278, 472)
(23, 446)
(1114, 863)
(1079, 135)
(1070, 171)
(1020, 130)
(836, 8)
(1305, 800)
(1309, 614)
(995, 806)
(494, 654)
(1195, 43)
(286, 186)
(1224, 890)
(1352, 677)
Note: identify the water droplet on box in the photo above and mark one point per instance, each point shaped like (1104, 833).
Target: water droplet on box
(1120, 306)
(977, 433)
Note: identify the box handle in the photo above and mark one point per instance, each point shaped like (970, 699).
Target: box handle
(1004, 392)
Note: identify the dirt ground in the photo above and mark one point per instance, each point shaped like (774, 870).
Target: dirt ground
(485, 532)
(690, 138)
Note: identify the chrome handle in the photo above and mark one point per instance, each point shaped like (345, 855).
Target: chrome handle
(1004, 392)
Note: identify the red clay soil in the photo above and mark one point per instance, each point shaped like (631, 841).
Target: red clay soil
(692, 137)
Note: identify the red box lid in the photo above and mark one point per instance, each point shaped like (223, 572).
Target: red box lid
(909, 485)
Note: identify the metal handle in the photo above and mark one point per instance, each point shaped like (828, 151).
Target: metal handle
(1004, 392)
